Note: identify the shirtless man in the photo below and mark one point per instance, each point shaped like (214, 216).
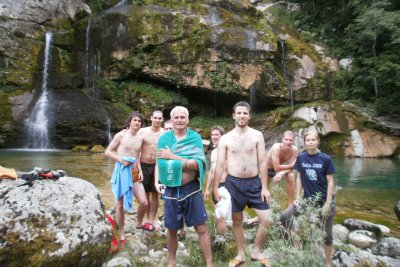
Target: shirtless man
(181, 167)
(280, 161)
(148, 164)
(216, 133)
(124, 148)
(242, 150)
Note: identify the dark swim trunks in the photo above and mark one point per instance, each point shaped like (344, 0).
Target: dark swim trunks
(184, 203)
(271, 173)
(212, 195)
(148, 176)
(245, 191)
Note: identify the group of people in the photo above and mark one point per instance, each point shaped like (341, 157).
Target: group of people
(239, 176)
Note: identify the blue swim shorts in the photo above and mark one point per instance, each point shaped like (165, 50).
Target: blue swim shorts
(184, 203)
(245, 191)
(271, 173)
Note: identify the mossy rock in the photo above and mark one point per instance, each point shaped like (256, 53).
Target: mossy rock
(80, 148)
(298, 123)
(97, 149)
(333, 144)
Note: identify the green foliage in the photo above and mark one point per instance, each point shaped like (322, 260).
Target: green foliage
(334, 144)
(64, 55)
(388, 105)
(95, 5)
(201, 122)
(223, 246)
(6, 86)
(366, 31)
(302, 246)
(298, 123)
(142, 97)
(222, 79)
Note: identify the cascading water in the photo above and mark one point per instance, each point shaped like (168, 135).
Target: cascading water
(250, 45)
(215, 21)
(253, 100)
(92, 73)
(87, 56)
(92, 67)
(285, 75)
(37, 123)
(109, 136)
(122, 2)
(251, 55)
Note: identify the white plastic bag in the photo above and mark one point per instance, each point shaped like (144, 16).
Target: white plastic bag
(224, 207)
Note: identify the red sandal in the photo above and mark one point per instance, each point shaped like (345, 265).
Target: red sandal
(149, 227)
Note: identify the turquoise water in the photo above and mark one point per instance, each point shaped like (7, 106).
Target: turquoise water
(369, 187)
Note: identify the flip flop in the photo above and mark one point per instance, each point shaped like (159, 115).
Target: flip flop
(235, 262)
(264, 262)
(149, 227)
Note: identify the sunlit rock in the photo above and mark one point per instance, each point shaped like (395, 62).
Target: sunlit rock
(54, 222)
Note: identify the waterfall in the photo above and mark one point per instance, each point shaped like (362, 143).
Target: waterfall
(215, 21)
(109, 136)
(120, 3)
(92, 72)
(285, 75)
(96, 69)
(252, 96)
(250, 45)
(251, 55)
(87, 56)
(92, 67)
(37, 123)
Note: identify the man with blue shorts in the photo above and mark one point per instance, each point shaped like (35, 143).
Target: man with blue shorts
(242, 151)
(181, 166)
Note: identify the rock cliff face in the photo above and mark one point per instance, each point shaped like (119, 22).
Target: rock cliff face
(206, 55)
(74, 117)
(344, 133)
(52, 223)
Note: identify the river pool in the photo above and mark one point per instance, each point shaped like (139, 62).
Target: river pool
(369, 187)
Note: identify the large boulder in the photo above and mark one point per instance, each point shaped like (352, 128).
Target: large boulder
(389, 246)
(362, 238)
(354, 224)
(53, 223)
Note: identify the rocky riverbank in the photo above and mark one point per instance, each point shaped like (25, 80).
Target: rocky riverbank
(62, 222)
(356, 242)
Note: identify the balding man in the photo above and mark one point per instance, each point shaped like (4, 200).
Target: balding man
(181, 165)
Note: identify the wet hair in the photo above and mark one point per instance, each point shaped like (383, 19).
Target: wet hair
(219, 128)
(185, 110)
(242, 104)
(135, 114)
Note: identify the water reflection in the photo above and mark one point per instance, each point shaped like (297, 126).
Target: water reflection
(368, 173)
